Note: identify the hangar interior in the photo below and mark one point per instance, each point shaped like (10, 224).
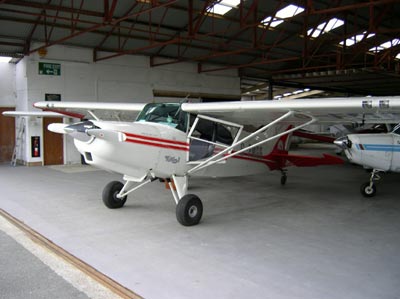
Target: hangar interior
(145, 51)
(227, 50)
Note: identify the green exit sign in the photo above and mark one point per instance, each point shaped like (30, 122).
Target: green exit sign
(53, 69)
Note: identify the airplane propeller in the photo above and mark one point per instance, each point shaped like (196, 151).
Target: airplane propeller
(343, 142)
(84, 131)
(77, 130)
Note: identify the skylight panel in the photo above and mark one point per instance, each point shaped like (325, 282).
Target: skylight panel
(385, 45)
(289, 11)
(275, 22)
(219, 9)
(223, 7)
(325, 27)
(232, 3)
(285, 13)
(356, 39)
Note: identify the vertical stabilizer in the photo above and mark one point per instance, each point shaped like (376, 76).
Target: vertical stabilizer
(283, 143)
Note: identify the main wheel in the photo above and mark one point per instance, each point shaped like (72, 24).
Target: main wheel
(189, 210)
(110, 198)
(367, 190)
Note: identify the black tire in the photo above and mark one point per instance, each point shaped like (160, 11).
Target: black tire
(283, 180)
(189, 210)
(110, 198)
(368, 191)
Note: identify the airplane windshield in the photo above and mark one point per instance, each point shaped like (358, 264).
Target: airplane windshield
(169, 114)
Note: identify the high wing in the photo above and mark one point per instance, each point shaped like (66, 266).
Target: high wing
(332, 110)
(95, 109)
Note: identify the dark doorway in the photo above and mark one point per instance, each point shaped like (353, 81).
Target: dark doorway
(7, 135)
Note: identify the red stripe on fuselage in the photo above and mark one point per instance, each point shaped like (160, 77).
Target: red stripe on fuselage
(169, 146)
(156, 139)
(173, 144)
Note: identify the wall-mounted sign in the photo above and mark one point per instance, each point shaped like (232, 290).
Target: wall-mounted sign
(52, 97)
(53, 69)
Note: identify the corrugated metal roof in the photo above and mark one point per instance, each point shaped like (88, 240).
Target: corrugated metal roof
(183, 30)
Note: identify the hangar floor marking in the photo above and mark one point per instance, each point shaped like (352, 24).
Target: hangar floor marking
(81, 275)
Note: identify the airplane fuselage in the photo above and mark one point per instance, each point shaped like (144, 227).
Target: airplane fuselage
(137, 148)
(375, 151)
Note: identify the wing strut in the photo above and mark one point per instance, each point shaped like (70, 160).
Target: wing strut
(212, 160)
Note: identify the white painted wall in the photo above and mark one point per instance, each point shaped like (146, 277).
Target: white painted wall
(8, 95)
(121, 79)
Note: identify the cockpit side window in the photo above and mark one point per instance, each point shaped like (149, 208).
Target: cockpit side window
(396, 129)
(169, 114)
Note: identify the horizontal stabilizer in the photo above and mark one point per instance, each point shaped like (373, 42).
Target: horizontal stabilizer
(309, 161)
(313, 136)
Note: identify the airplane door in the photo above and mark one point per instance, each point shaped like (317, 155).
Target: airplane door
(7, 136)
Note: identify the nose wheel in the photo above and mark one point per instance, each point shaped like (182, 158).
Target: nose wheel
(368, 189)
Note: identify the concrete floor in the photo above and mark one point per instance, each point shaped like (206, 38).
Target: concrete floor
(23, 275)
(316, 237)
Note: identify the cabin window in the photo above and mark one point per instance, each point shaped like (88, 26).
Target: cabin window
(396, 129)
(169, 114)
(206, 136)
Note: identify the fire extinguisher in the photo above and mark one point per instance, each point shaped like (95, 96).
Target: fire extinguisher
(35, 145)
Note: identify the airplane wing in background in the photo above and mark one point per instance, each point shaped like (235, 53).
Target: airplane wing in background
(328, 110)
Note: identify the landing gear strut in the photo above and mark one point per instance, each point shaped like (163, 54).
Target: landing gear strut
(189, 207)
(368, 189)
(115, 193)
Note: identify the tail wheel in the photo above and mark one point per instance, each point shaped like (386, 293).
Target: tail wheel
(367, 189)
(189, 210)
(110, 198)
(283, 179)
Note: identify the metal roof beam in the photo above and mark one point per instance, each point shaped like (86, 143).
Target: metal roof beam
(350, 7)
(96, 27)
(48, 6)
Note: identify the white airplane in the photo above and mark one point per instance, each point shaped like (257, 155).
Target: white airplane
(379, 152)
(171, 142)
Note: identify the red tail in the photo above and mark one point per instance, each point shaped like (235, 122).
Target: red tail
(283, 143)
(281, 157)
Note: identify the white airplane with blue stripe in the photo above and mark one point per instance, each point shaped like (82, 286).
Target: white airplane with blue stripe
(379, 152)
